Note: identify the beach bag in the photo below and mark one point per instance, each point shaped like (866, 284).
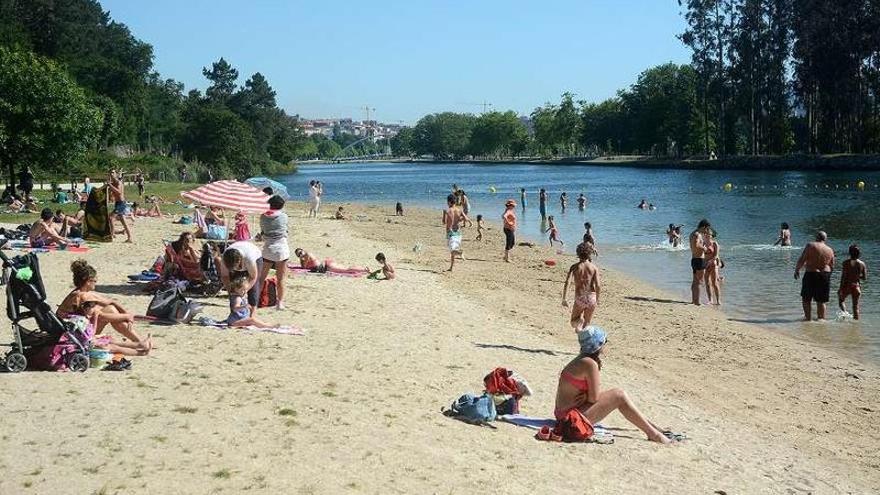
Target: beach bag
(574, 427)
(473, 409)
(164, 304)
(216, 232)
(269, 293)
(506, 388)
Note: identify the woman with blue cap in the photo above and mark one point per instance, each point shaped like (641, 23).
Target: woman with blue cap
(579, 388)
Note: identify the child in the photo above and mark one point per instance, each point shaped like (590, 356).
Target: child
(554, 232)
(340, 213)
(90, 310)
(239, 311)
(586, 288)
(588, 233)
(387, 269)
(242, 231)
(398, 209)
(854, 271)
(479, 227)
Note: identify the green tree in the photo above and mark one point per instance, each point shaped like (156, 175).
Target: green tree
(498, 134)
(46, 120)
(219, 138)
(222, 76)
(402, 142)
(444, 135)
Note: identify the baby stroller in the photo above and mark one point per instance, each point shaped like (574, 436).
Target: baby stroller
(26, 299)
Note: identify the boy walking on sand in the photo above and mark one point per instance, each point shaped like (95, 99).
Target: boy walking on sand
(453, 219)
(854, 271)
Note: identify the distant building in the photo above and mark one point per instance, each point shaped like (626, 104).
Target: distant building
(369, 128)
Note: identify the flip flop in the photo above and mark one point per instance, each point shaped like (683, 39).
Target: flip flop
(675, 437)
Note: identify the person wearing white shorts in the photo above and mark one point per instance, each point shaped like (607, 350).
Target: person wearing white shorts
(276, 250)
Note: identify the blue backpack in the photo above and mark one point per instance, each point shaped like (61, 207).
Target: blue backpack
(473, 409)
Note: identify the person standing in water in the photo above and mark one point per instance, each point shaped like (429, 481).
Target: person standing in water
(854, 271)
(563, 201)
(453, 220)
(509, 218)
(784, 236)
(582, 202)
(817, 260)
(713, 269)
(542, 204)
(699, 244)
(522, 197)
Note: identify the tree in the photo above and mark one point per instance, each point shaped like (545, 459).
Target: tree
(402, 142)
(218, 137)
(46, 120)
(444, 135)
(222, 77)
(498, 134)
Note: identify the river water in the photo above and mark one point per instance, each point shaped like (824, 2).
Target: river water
(759, 286)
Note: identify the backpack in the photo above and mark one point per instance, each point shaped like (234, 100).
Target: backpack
(170, 304)
(269, 293)
(477, 410)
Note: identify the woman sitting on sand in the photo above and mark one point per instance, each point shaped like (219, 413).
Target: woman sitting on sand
(579, 388)
(182, 259)
(111, 312)
(311, 263)
(152, 211)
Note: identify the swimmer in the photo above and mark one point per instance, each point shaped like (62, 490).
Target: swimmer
(582, 202)
(784, 236)
(586, 288)
(554, 232)
(698, 244)
(674, 234)
(643, 205)
(563, 201)
(817, 260)
(854, 271)
(713, 270)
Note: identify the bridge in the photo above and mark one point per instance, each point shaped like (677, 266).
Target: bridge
(353, 158)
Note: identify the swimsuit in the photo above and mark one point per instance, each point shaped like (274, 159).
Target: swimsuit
(698, 264)
(237, 312)
(119, 208)
(580, 384)
(453, 241)
(817, 286)
(586, 301)
(852, 289)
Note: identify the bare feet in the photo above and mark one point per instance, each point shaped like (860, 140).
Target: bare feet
(146, 345)
(659, 438)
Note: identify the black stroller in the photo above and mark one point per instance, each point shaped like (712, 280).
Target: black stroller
(26, 299)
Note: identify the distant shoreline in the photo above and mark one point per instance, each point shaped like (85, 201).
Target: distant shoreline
(787, 162)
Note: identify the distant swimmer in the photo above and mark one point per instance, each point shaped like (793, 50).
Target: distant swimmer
(674, 234)
(784, 236)
(651, 207)
(522, 197)
(582, 202)
(542, 204)
(854, 271)
(563, 201)
(817, 260)
(586, 288)
(643, 205)
(554, 232)
(699, 243)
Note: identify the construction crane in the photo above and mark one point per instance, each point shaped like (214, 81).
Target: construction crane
(485, 104)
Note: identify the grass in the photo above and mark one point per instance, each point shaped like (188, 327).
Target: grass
(169, 191)
(223, 474)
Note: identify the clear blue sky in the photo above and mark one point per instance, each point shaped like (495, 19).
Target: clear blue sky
(407, 58)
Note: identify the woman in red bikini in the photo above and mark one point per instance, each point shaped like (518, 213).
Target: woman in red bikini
(579, 388)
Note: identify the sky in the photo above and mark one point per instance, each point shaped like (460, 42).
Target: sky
(408, 58)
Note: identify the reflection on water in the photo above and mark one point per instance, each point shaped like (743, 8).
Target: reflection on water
(759, 285)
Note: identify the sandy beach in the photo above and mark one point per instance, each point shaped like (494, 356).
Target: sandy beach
(354, 405)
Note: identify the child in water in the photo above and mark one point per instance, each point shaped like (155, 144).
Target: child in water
(854, 271)
(554, 232)
(479, 228)
(387, 270)
(586, 288)
(239, 311)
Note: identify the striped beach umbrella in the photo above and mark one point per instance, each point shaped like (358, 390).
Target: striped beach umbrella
(230, 195)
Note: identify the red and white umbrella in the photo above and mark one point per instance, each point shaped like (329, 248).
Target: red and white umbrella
(230, 195)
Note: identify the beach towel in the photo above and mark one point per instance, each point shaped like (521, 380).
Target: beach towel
(96, 224)
(206, 321)
(353, 273)
(600, 433)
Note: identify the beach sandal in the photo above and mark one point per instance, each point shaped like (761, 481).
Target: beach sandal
(675, 437)
(120, 365)
(546, 434)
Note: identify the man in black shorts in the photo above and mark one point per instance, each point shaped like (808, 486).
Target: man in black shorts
(698, 257)
(817, 260)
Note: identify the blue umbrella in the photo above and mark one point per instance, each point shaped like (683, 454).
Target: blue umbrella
(263, 182)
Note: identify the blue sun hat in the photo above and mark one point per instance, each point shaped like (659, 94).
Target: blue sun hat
(591, 339)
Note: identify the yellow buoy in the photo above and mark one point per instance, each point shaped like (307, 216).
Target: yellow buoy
(492, 189)
(728, 187)
(861, 185)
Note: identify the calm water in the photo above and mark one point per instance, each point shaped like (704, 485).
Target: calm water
(759, 286)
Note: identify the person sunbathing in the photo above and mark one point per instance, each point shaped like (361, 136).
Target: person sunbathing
(579, 388)
(152, 211)
(311, 263)
(85, 277)
(182, 260)
(44, 233)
